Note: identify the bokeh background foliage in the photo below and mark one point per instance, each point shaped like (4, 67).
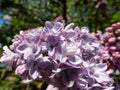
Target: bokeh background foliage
(27, 14)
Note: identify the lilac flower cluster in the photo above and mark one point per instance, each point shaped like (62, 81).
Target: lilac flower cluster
(65, 57)
(111, 40)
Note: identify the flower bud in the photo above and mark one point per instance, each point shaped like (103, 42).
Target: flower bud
(117, 32)
(109, 29)
(112, 40)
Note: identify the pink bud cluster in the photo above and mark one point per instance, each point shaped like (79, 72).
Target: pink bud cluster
(111, 40)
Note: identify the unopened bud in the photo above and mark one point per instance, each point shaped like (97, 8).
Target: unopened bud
(112, 48)
(117, 32)
(112, 40)
(116, 55)
(109, 29)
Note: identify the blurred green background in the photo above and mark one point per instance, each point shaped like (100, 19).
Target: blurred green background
(16, 15)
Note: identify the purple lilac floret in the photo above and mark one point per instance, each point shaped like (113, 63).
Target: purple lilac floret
(63, 56)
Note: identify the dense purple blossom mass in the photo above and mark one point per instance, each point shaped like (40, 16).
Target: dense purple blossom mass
(66, 57)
